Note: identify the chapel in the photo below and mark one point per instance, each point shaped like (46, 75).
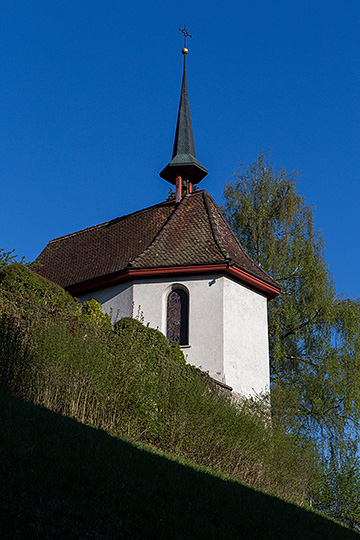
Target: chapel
(179, 264)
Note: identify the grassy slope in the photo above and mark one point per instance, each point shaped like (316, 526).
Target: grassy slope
(61, 479)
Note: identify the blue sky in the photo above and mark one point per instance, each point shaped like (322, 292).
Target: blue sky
(89, 95)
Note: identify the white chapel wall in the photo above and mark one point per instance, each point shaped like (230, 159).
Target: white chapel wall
(246, 348)
(228, 331)
(205, 348)
(147, 299)
(117, 300)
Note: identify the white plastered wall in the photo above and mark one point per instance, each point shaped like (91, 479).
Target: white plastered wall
(117, 301)
(205, 348)
(227, 324)
(146, 299)
(246, 347)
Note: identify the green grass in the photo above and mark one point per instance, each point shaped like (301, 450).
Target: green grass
(130, 382)
(63, 480)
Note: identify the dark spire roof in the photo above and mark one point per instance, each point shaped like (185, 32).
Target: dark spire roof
(184, 162)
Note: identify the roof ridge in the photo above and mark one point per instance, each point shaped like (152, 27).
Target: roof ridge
(237, 240)
(213, 226)
(162, 231)
(109, 222)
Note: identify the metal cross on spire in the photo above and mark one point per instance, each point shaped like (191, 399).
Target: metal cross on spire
(186, 34)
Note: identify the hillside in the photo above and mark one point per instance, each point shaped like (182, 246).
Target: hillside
(61, 479)
(64, 478)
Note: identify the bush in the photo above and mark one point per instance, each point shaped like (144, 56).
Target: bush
(7, 257)
(131, 382)
(18, 279)
(91, 312)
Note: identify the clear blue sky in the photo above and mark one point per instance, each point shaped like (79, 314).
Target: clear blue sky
(89, 98)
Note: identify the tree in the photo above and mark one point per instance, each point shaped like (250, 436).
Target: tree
(314, 334)
(338, 493)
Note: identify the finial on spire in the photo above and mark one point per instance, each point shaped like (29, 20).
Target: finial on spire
(184, 168)
(186, 35)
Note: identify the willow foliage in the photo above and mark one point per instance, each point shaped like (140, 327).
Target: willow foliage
(314, 333)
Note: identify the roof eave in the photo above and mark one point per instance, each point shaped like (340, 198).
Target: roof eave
(194, 172)
(127, 274)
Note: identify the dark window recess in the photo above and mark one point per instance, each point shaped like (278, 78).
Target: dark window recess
(177, 328)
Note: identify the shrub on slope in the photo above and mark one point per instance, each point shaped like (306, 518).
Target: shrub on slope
(18, 279)
(63, 480)
(130, 382)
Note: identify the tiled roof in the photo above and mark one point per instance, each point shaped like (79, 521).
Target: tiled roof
(165, 235)
(103, 249)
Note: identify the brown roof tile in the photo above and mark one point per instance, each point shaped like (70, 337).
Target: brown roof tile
(165, 235)
(230, 245)
(186, 238)
(103, 249)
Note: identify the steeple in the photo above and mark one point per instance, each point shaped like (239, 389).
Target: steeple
(184, 169)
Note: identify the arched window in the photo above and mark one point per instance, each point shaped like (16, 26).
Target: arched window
(177, 317)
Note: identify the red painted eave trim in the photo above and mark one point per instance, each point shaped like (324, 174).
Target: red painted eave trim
(266, 288)
(270, 291)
